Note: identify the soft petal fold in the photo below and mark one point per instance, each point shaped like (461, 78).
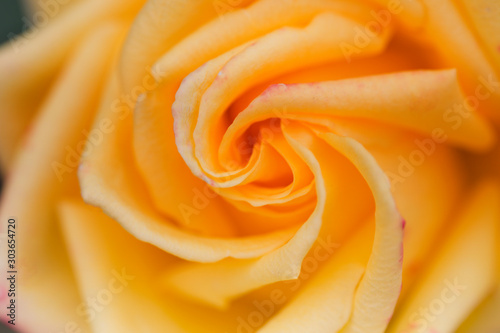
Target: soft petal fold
(32, 190)
(31, 62)
(462, 273)
(118, 279)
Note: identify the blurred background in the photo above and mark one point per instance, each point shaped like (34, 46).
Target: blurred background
(11, 13)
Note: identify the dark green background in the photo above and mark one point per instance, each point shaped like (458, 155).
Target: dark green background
(10, 18)
(11, 13)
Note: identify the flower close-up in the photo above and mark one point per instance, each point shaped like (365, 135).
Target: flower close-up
(251, 166)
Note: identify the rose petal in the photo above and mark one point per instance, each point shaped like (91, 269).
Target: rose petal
(485, 316)
(427, 178)
(484, 15)
(290, 49)
(31, 62)
(426, 104)
(157, 27)
(241, 26)
(449, 32)
(32, 190)
(461, 274)
(116, 272)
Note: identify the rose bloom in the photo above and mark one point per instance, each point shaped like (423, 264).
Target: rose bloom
(251, 166)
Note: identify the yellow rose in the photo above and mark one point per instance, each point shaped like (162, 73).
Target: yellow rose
(256, 166)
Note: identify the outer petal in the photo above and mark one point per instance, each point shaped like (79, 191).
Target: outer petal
(485, 316)
(29, 63)
(462, 273)
(485, 20)
(31, 191)
(118, 275)
(159, 26)
(456, 42)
